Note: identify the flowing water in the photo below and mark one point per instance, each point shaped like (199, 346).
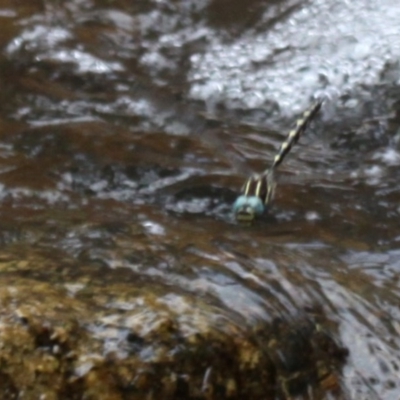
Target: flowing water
(128, 128)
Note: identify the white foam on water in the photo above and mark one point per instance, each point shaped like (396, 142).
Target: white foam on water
(323, 47)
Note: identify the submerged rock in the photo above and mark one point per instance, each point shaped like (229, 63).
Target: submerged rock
(122, 341)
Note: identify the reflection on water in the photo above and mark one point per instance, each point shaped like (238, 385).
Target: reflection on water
(116, 185)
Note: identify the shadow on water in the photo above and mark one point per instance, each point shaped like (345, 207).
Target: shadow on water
(127, 131)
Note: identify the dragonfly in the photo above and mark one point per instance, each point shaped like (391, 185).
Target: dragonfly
(259, 190)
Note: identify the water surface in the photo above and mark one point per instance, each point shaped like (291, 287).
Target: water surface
(127, 131)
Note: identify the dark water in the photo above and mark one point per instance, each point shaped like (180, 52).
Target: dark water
(128, 128)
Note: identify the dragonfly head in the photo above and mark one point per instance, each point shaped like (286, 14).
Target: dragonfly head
(246, 208)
